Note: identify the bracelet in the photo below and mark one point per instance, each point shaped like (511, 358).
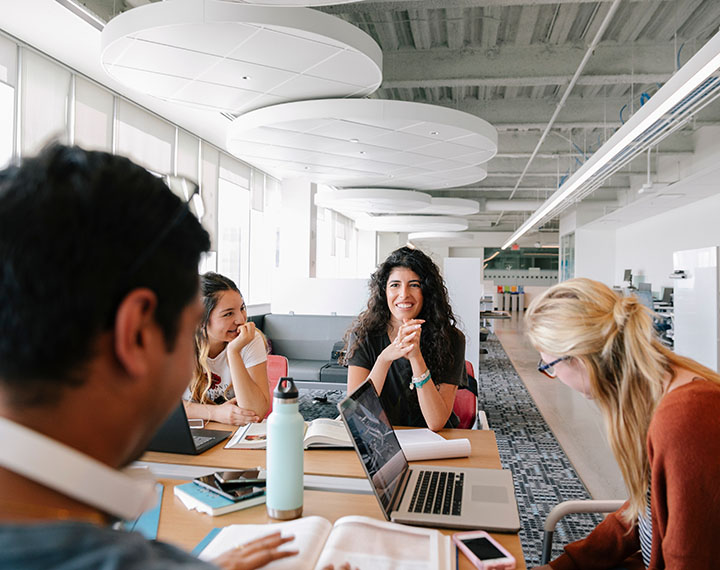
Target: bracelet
(419, 381)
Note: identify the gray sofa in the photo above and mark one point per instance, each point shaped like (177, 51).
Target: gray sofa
(307, 342)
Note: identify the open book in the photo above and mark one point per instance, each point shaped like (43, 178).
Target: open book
(361, 541)
(321, 432)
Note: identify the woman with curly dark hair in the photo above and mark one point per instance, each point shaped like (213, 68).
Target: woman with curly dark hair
(406, 341)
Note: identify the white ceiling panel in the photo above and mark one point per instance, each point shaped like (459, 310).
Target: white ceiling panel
(215, 38)
(281, 53)
(289, 3)
(152, 56)
(249, 76)
(307, 87)
(284, 50)
(385, 131)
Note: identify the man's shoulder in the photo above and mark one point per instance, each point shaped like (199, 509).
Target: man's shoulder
(84, 546)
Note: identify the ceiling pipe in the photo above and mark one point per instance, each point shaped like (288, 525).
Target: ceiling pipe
(512, 205)
(566, 94)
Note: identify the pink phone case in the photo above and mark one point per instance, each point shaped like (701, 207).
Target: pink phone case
(483, 564)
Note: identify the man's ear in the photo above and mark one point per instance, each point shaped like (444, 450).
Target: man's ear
(135, 329)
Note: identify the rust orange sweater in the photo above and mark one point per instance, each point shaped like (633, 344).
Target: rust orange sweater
(684, 449)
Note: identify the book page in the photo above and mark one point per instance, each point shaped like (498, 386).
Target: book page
(423, 444)
(328, 432)
(310, 535)
(251, 436)
(370, 543)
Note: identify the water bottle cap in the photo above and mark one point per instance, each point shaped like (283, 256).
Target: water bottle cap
(285, 389)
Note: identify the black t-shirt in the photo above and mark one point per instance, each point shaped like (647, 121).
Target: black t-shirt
(400, 402)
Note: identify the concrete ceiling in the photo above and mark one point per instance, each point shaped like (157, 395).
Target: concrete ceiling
(510, 62)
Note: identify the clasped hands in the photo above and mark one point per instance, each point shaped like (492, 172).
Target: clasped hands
(407, 341)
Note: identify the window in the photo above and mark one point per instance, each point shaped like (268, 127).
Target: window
(7, 123)
(93, 116)
(567, 256)
(233, 233)
(44, 104)
(187, 156)
(144, 138)
(264, 232)
(336, 245)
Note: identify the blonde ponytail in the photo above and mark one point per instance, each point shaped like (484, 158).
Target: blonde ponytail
(628, 368)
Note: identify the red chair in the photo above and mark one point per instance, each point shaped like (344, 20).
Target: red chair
(277, 367)
(465, 405)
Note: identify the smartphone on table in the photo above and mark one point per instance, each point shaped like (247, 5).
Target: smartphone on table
(483, 551)
(242, 477)
(234, 493)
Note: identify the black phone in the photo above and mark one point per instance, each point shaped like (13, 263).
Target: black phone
(210, 483)
(244, 477)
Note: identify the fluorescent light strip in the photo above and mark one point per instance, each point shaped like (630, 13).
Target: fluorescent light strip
(679, 86)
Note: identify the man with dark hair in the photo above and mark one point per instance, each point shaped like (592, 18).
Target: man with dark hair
(98, 308)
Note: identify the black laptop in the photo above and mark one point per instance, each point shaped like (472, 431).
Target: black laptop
(175, 436)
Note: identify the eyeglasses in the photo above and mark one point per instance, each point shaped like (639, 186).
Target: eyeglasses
(189, 192)
(548, 369)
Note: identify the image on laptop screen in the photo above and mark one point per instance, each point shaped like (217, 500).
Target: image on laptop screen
(376, 442)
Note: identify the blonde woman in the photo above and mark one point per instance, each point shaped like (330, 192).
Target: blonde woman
(229, 383)
(661, 414)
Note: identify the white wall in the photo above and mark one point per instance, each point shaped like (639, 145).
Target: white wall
(295, 230)
(367, 245)
(595, 255)
(463, 278)
(306, 296)
(647, 246)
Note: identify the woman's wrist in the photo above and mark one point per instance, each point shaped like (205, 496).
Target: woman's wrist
(235, 356)
(419, 381)
(417, 363)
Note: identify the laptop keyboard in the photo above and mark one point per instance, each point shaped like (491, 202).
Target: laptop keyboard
(200, 439)
(438, 492)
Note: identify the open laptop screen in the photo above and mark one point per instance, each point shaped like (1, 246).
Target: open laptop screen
(375, 441)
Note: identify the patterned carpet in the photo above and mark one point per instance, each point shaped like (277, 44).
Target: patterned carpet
(542, 472)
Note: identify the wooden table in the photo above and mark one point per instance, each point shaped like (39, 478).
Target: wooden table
(337, 462)
(187, 528)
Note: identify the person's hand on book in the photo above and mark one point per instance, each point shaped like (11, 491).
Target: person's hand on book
(256, 553)
(230, 413)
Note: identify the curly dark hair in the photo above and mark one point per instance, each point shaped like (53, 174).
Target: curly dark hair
(438, 332)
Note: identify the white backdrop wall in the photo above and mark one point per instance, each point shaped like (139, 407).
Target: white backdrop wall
(595, 255)
(463, 278)
(310, 296)
(647, 246)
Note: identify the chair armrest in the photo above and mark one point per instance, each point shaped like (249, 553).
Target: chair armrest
(585, 506)
(569, 507)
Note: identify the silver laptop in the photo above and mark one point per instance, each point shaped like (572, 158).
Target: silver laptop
(425, 495)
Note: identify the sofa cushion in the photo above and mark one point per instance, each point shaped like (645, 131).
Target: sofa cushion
(305, 337)
(308, 370)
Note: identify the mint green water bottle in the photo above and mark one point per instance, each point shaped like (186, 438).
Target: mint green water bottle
(285, 432)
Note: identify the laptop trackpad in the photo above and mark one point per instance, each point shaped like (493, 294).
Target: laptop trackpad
(489, 494)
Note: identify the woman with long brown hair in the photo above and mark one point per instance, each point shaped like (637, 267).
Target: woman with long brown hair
(229, 383)
(661, 415)
(406, 341)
